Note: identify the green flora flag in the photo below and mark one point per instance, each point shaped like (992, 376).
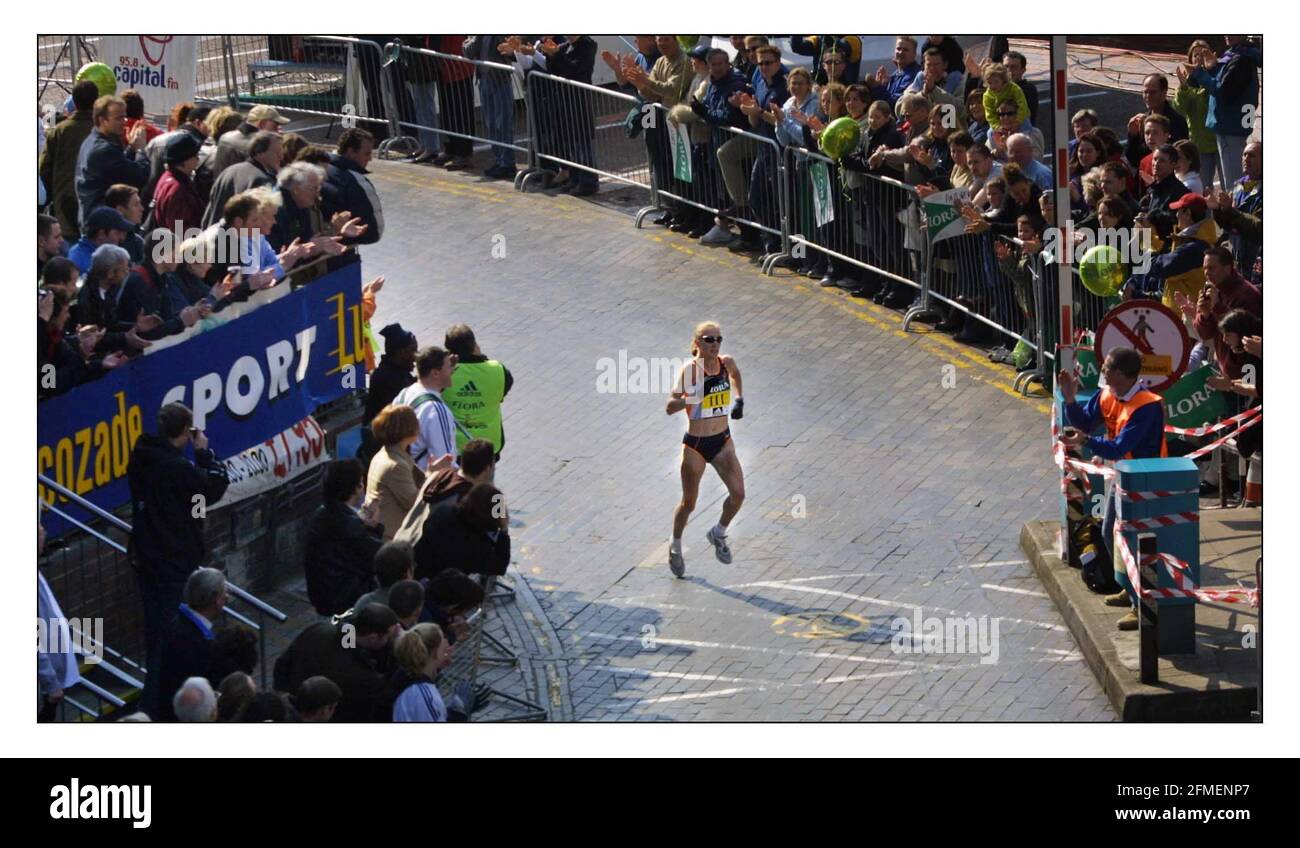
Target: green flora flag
(1089, 373)
(823, 204)
(1191, 403)
(681, 144)
(943, 214)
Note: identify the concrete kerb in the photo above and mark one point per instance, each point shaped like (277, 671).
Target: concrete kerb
(1180, 696)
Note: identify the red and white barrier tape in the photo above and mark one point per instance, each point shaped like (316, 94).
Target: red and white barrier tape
(1202, 451)
(1169, 520)
(1139, 497)
(1207, 429)
(1180, 573)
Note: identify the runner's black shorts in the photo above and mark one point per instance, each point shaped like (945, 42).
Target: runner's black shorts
(707, 446)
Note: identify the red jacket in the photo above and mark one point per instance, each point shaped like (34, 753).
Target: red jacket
(176, 199)
(1235, 293)
(449, 70)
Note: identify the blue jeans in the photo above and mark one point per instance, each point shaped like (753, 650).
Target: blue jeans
(426, 114)
(497, 100)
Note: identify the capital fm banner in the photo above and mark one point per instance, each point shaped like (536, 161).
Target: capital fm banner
(161, 67)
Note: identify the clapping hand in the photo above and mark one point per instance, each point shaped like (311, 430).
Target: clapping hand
(1254, 345)
(1219, 383)
(374, 286)
(549, 47)
(1002, 250)
(261, 280)
(329, 245)
(882, 75)
(88, 337)
(144, 323)
(1185, 306)
(113, 360)
(370, 511)
(133, 340)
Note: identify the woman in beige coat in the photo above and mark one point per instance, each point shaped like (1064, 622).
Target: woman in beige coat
(394, 479)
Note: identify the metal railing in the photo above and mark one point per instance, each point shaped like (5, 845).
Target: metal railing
(461, 104)
(91, 575)
(581, 128)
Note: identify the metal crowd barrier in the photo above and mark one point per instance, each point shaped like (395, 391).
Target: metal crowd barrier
(728, 168)
(479, 648)
(460, 103)
(580, 127)
(869, 234)
(337, 77)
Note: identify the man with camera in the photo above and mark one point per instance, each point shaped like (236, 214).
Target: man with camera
(170, 496)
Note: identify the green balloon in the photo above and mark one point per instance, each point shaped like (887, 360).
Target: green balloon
(840, 136)
(101, 75)
(1102, 270)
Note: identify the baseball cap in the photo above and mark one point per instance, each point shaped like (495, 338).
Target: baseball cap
(107, 218)
(700, 51)
(1191, 201)
(266, 113)
(180, 147)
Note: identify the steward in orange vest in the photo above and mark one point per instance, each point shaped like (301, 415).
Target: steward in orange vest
(1134, 417)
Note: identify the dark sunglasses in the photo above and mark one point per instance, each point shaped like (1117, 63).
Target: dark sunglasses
(711, 339)
(1006, 114)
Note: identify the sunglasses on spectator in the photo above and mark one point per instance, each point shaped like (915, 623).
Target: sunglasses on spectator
(1002, 114)
(711, 339)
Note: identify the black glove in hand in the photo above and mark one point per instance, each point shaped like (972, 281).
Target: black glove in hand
(738, 411)
(698, 108)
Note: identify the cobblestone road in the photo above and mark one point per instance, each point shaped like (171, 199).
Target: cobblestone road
(876, 489)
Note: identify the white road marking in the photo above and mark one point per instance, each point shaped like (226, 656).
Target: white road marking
(1032, 592)
(998, 563)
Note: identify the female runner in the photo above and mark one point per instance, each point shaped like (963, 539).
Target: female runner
(704, 389)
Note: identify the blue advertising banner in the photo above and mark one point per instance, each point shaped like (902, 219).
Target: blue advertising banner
(246, 381)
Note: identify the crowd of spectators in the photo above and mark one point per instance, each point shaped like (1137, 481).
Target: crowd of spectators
(147, 234)
(396, 557)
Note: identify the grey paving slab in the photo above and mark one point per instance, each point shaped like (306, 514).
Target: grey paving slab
(902, 484)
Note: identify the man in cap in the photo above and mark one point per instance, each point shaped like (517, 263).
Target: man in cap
(264, 154)
(176, 201)
(232, 148)
(104, 226)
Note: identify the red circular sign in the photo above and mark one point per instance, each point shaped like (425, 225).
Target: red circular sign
(1153, 330)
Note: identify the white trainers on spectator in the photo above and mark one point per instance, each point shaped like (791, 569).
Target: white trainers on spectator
(719, 546)
(717, 235)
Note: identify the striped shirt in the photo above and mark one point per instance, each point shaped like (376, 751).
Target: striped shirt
(437, 426)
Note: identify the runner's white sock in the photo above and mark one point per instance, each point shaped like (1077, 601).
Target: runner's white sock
(675, 545)
(719, 530)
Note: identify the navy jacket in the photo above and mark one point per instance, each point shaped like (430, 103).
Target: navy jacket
(104, 162)
(716, 110)
(166, 539)
(347, 188)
